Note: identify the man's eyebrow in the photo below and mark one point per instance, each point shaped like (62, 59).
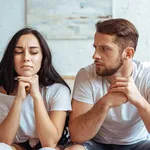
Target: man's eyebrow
(94, 45)
(100, 45)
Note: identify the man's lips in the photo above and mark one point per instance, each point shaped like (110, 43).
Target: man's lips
(98, 64)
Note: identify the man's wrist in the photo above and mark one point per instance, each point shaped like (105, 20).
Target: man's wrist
(141, 104)
(104, 103)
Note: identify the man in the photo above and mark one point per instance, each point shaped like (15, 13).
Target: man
(111, 97)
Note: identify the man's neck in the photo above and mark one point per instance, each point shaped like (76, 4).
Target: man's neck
(124, 71)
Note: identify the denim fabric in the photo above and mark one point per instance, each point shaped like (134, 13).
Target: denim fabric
(91, 145)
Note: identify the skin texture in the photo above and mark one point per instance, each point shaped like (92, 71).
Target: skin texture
(27, 55)
(105, 48)
(116, 65)
(27, 63)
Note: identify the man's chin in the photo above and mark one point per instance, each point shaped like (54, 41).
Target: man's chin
(103, 74)
(99, 73)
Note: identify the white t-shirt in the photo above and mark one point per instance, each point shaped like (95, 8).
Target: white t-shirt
(56, 97)
(123, 125)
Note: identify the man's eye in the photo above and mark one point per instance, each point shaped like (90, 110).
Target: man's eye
(104, 48)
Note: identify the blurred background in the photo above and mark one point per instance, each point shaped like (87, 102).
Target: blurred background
(69, 26)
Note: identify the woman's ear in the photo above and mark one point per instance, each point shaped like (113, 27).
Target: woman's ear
(128, 53)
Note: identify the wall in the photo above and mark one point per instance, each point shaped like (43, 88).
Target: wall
(12, 18)
(69, 31)
(138, 12)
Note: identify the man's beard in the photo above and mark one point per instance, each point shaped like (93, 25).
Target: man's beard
(111, 70)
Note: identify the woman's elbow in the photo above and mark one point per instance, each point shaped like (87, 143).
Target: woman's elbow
(50, 143)
(6, 141)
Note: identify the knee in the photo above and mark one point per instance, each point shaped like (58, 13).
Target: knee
(5, 146)
(46, 148)
(59, 148)
(75, 147)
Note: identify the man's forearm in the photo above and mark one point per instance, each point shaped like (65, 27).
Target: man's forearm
(86, 126)
(144, 112)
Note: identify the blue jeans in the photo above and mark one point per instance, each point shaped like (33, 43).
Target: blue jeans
(92, 145)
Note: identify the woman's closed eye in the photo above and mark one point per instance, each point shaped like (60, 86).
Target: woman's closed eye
(18, 51)
(34, 52)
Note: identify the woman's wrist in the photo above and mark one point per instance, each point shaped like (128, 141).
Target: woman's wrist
(37, 96)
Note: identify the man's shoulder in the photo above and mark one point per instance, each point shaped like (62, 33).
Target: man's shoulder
(88, 73)
(141, 70)
(139, 65)
(90, 69)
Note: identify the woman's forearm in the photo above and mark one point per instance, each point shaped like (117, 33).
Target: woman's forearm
(9, 127)
(47, 131)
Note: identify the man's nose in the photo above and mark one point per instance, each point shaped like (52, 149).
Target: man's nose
(96, 55)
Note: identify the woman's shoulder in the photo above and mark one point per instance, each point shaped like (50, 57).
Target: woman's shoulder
(2, 90)
(56, 86)
(55, 92)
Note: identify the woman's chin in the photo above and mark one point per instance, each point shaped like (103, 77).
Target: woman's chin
(25, 74)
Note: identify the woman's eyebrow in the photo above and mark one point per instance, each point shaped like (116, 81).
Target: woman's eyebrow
(18, 47)
(33, 47)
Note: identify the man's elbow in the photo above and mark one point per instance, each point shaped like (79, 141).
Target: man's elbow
(76, 138)
(148, 130)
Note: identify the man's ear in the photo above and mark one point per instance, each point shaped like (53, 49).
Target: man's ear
(128, 53)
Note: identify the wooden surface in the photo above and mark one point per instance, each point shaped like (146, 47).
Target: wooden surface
(68, 77)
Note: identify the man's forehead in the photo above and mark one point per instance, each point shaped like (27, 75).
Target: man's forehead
(102, 38)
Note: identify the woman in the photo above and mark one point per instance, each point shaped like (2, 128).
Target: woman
(34, 99)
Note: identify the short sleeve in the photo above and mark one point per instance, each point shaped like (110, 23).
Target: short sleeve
(83, 88)
(5, 105)
(144, 82)
(148, 90)
(58, 97)
(3, 114)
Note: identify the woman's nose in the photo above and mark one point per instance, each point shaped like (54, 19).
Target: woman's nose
(26, 56)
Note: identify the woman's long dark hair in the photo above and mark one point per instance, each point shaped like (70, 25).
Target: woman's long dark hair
(47, 73)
